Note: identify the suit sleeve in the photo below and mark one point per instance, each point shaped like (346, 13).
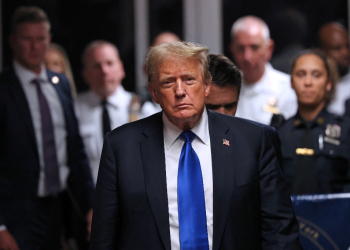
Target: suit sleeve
(105, 219)
(279, 225)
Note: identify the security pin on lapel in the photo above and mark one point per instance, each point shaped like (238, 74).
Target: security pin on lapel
(55, 80)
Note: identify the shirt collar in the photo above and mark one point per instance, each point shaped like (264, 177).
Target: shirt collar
(117, 99)
(171, 132)
(26, 76)
(318, 121)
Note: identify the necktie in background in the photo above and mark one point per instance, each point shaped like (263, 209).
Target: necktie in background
(106, 122)
(52, 182)
(191, 203)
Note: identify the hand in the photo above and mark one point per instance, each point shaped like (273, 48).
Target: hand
(89, 222)
(7, 242)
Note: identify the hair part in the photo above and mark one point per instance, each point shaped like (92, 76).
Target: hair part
(329, 64)
(182, 50)
(28, 14)
(96, 44)
(224, 72)
(246, 22)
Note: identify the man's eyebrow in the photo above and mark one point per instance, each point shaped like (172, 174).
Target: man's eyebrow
(166, 77)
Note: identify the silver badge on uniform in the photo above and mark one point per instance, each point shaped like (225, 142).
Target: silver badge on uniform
(333, 132)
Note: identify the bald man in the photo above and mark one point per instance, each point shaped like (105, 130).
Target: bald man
(334, 40)
(266, 92)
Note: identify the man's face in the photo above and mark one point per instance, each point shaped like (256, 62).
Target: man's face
(310, 81)
(29, 43)
(337, 46)
(179, 88)
(251, 52)
(223, 99)
(103, 70)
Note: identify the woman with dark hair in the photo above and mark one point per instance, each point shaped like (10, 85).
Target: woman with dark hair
(315, 143)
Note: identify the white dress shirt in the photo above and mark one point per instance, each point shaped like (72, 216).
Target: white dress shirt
(89, 113)
(172, 148)
(342, 93)
(273, 86)
(25, 77)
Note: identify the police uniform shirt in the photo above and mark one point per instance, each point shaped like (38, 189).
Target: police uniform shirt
(316, 154)
(89, 113)
(272, 94)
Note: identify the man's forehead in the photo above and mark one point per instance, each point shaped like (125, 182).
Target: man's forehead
(103, 52)
(251, 36)
(32, 27)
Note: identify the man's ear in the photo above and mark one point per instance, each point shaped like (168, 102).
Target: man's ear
(121, 70)
(207, 85)
(152, 90)
(269, 50)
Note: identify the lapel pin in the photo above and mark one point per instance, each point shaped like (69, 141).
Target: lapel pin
(55, 80)
(225, 142)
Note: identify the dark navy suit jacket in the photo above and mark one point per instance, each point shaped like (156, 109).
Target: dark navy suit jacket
(252, 208)
(19, 160)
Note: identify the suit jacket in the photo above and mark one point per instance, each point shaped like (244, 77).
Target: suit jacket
(19, 160)
(347, 108)
(252, 209)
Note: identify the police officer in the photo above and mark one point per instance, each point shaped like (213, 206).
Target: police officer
(315, 143)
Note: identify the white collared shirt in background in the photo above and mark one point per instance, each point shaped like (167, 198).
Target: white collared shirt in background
(88, 109)
(172, 148)
(341, 94)
(25, 77)
(254, 97)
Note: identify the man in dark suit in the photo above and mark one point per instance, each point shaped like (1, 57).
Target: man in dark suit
(41, 151)
(188, 177)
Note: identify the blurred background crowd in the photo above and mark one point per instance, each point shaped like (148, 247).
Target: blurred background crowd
(291, 71)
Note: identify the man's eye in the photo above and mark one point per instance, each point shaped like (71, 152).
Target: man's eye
(255, 47)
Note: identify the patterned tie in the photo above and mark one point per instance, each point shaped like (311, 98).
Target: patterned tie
(52, 182)
(106, 122)
(191, 203)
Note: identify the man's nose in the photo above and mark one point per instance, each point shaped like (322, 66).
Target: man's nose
(179, 88)
(104, 69)
(247, 54)
(34, 44)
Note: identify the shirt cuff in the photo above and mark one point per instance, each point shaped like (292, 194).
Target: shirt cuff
(3, 228)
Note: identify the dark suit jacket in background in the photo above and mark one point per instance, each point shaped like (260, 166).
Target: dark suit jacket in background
(19, 160)
(347, 108)
(252, 209)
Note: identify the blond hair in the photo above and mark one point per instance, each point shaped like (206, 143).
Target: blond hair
(179, 50)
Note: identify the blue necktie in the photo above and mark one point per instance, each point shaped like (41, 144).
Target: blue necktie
(52, 182)
(191, 203)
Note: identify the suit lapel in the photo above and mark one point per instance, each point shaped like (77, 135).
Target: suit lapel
(223, 173)
(152, 150)
(20, 100)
